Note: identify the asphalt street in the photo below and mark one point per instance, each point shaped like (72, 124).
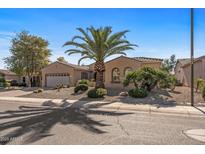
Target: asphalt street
(33, 123)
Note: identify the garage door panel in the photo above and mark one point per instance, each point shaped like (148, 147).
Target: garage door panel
(52, 81)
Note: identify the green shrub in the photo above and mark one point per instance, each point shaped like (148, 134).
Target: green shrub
(203, 93)
(14, 83)
(80, 87)
(7, 84)
(172, 81)
(39, 90)
(101, 92)
(138, 93)
(145, 77)
(148, 78)
(97, 93)
(83, 81)
(200, 83)
(2, 81)
(162, 77)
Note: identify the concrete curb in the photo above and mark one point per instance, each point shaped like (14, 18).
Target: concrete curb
(181, 110)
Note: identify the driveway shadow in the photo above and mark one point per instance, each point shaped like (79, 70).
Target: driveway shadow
(36, 122)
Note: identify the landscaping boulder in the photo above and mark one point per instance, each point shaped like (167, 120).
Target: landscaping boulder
(123, 93)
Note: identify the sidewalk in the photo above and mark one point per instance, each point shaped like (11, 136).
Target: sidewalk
(182, 110)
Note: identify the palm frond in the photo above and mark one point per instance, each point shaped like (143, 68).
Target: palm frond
(84, 57)
(117, 36)
(99, 43)
(71, 50)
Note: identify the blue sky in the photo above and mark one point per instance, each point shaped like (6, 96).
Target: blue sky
(158, 32)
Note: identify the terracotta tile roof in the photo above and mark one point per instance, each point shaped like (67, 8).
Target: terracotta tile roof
(184, 61)
(148, 59)
(81, 67)
(7, 72)
(140, 59)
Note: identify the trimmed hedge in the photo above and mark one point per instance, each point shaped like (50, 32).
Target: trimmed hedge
(138, 93)
(80, 87)
(97, 93)
(14, 83)
(83, 81)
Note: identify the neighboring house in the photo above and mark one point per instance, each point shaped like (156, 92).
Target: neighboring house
(183, 70)
(9, 75)
(35, 81)
(115, 71)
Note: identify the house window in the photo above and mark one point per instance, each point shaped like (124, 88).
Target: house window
(127, 70)
(84, 75)
(116, 75)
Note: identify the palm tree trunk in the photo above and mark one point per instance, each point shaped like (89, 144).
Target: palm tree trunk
(99, 80)
(99, 69)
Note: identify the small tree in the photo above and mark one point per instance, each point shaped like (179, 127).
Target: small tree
(162, 78)
(131, 77)
(148, 78)
(61, 59)
(2, 81)
(200, 83)
(29, 54)
(145, 77)
(172, 81)
(169, 64)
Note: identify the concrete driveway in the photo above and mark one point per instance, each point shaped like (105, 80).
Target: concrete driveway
(15, 92)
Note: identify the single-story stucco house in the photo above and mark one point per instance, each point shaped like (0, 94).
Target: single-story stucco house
(183, 70)
(9, 75)
(21, 80)
(115, 71)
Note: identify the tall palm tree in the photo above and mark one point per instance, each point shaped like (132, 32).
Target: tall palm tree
(98, 44)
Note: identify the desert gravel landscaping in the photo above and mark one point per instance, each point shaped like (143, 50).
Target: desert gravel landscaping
(180, 96)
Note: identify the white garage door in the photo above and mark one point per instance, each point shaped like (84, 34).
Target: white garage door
(54, 80)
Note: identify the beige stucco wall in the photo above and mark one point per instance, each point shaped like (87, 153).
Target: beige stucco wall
(198, 72)
(179, 73)
(77, 75)
(203, 68)
(120, 63)
(12, 77)
(151, 64)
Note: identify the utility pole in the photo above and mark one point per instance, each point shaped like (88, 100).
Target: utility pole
(192, 55)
